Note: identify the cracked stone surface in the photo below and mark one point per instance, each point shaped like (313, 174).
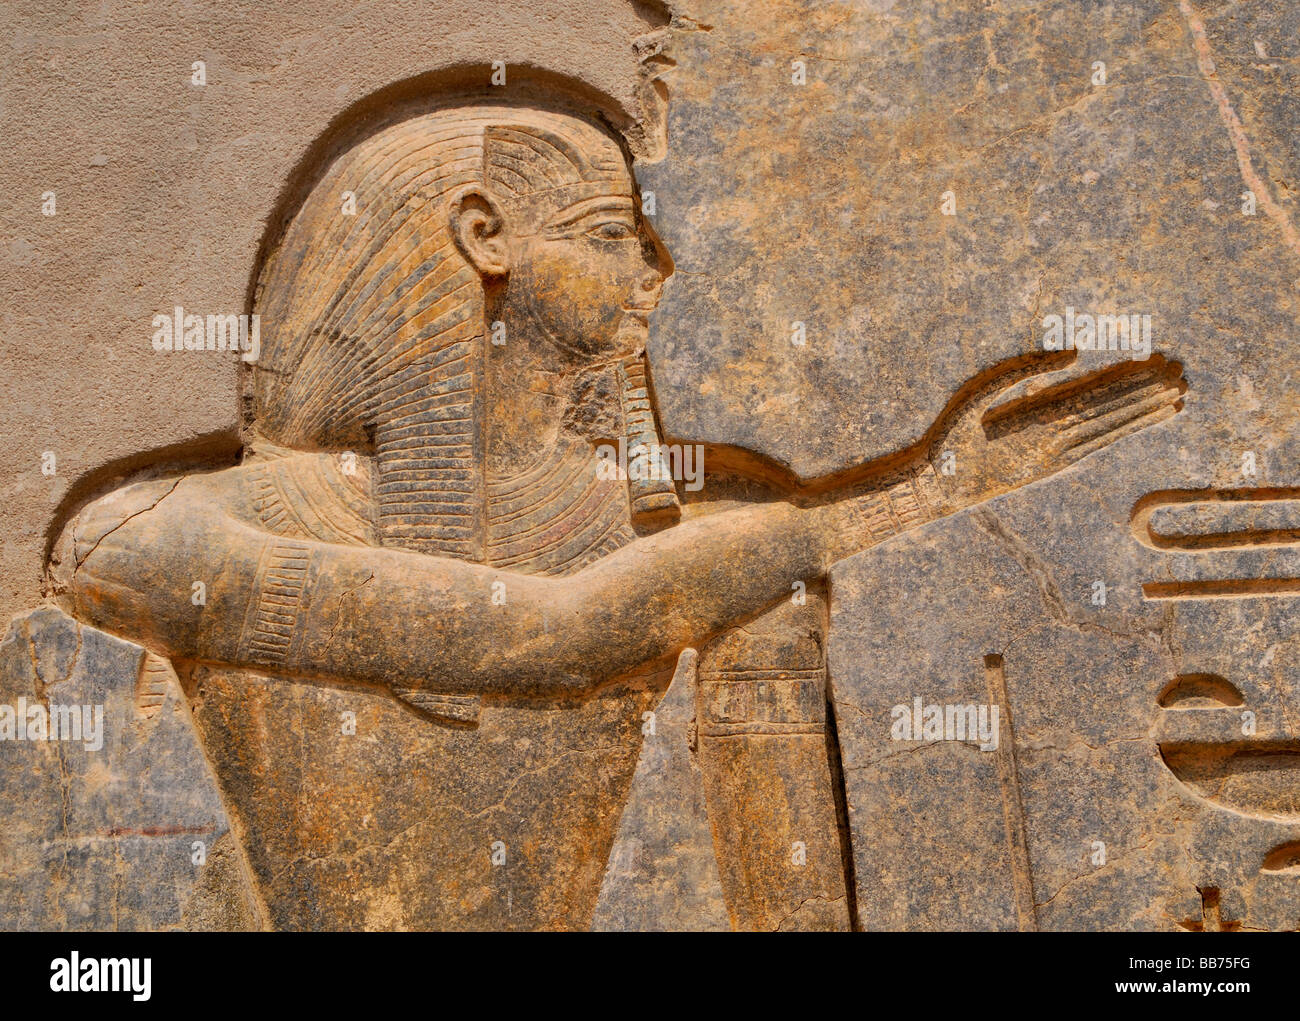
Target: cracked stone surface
(377, 644)
(130, 835)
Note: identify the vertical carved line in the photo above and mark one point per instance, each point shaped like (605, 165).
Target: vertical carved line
(1013, 809)
(839, 783)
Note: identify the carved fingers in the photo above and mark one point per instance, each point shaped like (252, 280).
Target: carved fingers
(1028, 419)
(1067, 421)
(962, 427)
(998, 383)
(1089, 436)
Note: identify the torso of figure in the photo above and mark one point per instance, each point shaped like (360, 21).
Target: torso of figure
(440, 780)
(421, 787)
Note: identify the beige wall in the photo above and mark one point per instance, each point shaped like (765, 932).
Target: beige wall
(164, 191)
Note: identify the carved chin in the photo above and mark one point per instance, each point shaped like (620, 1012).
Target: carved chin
(632, 334)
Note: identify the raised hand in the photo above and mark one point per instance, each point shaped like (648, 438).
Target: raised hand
(1026, 420)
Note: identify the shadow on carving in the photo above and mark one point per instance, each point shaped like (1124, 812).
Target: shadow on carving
(1218, 520)
(1255, 778)
(1200, 691)
(211, 452)
(1211, 919)
(1122, 391)
(422, 591)
(1229, 503)
(1285, 859)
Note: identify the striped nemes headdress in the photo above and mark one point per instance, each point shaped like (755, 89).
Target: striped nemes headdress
(373, 327)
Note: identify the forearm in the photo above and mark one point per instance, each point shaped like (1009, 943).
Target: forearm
(415, 621)
(686, 584)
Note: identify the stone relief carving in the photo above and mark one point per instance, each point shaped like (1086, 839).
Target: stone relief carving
(424, 539)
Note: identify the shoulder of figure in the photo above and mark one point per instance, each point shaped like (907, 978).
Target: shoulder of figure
(150, 501)
(319, 496)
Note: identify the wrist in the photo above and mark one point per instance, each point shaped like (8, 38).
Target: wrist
(912, 497)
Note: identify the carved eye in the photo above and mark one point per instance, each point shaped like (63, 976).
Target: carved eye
(612, 231)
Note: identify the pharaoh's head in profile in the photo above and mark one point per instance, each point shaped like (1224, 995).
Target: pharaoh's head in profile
(455, 327)
(421, 537)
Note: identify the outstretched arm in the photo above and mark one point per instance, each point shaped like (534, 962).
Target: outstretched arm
(412, 621)
(1020, 421)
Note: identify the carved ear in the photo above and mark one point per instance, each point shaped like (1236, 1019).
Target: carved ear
(480, 232)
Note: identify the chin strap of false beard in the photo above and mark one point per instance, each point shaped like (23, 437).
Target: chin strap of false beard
(651, 491)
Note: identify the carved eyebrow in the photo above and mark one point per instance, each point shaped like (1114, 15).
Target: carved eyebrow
(571, 214)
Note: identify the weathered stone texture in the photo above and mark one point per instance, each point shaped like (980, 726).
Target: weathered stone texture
(380, 643)
(129, 835)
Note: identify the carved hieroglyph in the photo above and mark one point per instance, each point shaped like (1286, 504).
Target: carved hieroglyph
(433, 622)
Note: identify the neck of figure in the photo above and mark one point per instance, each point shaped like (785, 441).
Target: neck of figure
(534, 387)
(527, 402)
